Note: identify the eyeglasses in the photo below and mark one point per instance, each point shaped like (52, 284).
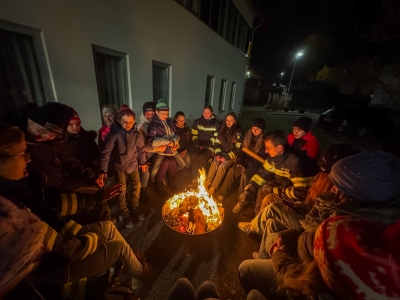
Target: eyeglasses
(26, 155)
(269, 148)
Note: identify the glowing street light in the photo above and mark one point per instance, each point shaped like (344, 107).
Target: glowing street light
(298, 54)
(282, 75)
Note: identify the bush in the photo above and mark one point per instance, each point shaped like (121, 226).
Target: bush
(292, 108)
(286, 109)
(302, 110)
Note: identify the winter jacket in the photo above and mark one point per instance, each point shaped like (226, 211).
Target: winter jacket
(160, 133)
(184, 137)
(245, 160)
(142, 128)
(308, 143)
(290, 173)
(228, 149)
(204, 133)
(127, 149)
(84, 147)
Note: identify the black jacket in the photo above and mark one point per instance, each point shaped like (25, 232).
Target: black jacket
(204, 133)
(126, 147)
(184, 138)
(229, 149)
(84, 147)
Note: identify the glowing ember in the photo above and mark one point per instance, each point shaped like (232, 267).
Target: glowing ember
(193, 212)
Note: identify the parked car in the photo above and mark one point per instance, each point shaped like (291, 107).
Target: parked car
(358, 121)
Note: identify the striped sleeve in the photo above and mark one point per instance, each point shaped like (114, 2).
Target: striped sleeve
(69, 204)
(49, 237)
(70, 229)
(91, 245)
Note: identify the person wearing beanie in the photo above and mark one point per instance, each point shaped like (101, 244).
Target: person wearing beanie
(302, 138)
(275, 217)
(109, 113)
(127, 146)
(163, 137)
(246, 167)
(359, 259)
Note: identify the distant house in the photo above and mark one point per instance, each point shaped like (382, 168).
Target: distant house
(90, 53)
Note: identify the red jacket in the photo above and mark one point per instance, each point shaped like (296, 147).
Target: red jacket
(311, 145)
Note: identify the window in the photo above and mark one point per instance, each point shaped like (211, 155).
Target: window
(209, 90)
(192, 5)
(222, 96)
(24, 73)
(161, 81)
(233, 94)
(111, 75)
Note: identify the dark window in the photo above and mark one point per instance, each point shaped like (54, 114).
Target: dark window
(209, 90)
(233, 94)
(161, 79)
(205, 9)
(21, 79)
(214, 15)
(222, 95)
(111, 76)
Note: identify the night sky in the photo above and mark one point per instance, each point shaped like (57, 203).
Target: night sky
(327, 31)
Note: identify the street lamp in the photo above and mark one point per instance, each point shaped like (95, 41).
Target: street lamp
(298, 54)
(282, 75)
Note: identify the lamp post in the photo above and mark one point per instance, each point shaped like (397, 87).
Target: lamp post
(298, 54)
(282, 75)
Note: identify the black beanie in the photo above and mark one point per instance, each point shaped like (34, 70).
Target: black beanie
(149, 106)
(303, 123)
(259, 123)
(53, 116)
(334, 153)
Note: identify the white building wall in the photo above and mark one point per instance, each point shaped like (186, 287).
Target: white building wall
(160, 30)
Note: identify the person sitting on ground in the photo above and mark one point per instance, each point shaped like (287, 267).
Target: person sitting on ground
(278, 216)
(359, 191)
(204, 132)
(246, 166)
(148, 112)
(182, 129)
(125, 143)
(302, 138)
(162, 135)
(109, 112)
(73, 249)
(227, 145)
(82, 143)
(285, 173)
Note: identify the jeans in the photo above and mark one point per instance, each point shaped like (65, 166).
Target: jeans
(183, 162)
(157, 160)
(217, 172)
(168, 166)
(113, 253)
(183, 289)
(260, 275)
(128, 202)
(200, 161)
(144, 178)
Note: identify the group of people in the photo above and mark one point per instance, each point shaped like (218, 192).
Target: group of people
(321, 217)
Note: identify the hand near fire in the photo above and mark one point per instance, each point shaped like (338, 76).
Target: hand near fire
(242, 168)
(100, 180)
(144, 167)
(111, 191)
(175, 147)
(183, 153)
(160, 148)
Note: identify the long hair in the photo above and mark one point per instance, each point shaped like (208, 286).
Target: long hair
(301, 281)
(222, 133)
(9, 137)
(321, 184)
(259, 141)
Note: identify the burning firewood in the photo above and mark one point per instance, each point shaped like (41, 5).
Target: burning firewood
(197, 218)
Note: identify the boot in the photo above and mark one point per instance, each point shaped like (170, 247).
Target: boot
(137, 212)
(126, 219)
(172, 185)
(143, 196)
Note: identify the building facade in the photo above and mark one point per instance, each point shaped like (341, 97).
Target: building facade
(90, 53)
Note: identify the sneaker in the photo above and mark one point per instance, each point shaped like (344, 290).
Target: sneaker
(138, 213)
(246, 227)
(220, 199)
(256, 255)
(126, 219)
(238, 208)
(143, 196)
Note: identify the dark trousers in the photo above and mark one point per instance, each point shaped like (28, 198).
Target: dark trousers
(244, 179)
(168, 166)
(199, 161)
(133, 201)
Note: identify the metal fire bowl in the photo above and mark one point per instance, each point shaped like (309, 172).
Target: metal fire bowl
(184, 233)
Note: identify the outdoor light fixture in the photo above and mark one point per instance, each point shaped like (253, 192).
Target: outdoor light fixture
(282, 75)
(248, 73)
(298, 54)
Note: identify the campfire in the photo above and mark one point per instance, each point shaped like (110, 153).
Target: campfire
(193, 212)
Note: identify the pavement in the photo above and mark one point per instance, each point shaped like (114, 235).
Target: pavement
(216, 255)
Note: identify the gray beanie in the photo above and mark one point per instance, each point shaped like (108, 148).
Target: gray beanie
(369, 176)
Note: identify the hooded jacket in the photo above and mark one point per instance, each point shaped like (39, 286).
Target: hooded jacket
(160, 133)
(126, 147)
(308, 143)
(204, 133)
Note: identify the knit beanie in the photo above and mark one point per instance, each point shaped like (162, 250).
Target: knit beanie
(53, 116)
(303, 123)
(369, 176)
(125, 110)
(162, 105)
(149, 106)
(112, 110)
(259, 123)
(21, 241)
(334, 153)
(359, 259)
